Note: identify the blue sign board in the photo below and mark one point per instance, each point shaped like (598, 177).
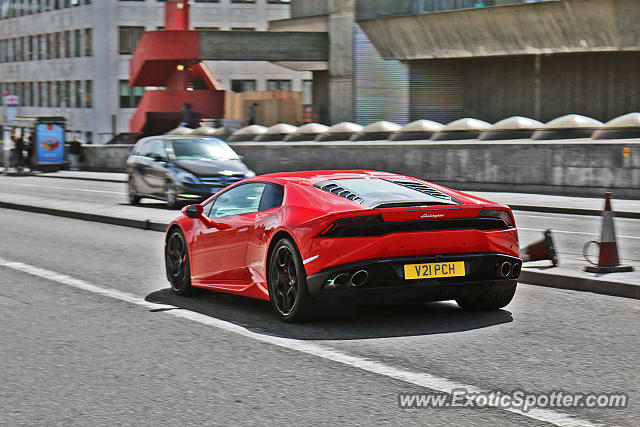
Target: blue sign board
(50, 144)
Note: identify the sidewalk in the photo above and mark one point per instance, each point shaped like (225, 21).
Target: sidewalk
(569, 275)
(624, 208)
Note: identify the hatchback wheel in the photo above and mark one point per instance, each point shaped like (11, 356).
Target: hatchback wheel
(134, 198)
(176, 256)
(288, 291)
(171, 196)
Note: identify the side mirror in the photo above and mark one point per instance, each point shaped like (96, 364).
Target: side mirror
(196, 211)
(193, 211)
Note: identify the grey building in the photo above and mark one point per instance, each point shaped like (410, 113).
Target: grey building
(442, 60)
(71, 57)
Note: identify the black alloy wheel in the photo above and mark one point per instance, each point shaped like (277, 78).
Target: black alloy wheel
(288, 285)
(176, 258)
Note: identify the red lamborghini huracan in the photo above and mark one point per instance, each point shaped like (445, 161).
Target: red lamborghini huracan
(304, 239)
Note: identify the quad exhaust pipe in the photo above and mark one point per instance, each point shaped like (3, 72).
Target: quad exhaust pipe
(359, 278)
(505, 269)
(344, 280)
(508, 270)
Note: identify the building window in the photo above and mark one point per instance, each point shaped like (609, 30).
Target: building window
(243, 85)
(243, 28)
(88, 94)
(58, 45)
(77, 42)
(51, 48)
(66, 93)
(30, 51)
(58, 88)
(130, 97)
(128, 38)
(87, 42)
(77, 88)
(243, 1)
(67, 44)
(206, 28)
(284, 85)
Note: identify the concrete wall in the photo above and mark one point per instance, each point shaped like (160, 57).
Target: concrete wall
(573, 167)
(599, 85)
(567, 168)
(545, 27)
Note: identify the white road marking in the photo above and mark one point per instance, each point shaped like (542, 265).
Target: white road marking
(575, 232)
(421, 379)
(68, 188)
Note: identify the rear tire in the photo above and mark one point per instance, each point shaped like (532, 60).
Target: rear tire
(134, 198)
(484, 300)
(287, 282)
(176, 256)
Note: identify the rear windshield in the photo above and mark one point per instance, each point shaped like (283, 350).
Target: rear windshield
(376, 192)
(202, 149)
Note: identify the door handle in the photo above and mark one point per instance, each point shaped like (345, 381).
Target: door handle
(243, 228)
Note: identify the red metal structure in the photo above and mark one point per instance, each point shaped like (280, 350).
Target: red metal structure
(170, 58)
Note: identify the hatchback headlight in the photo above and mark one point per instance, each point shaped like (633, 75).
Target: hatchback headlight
(187, 178)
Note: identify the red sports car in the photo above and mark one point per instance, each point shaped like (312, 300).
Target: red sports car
(306, 239)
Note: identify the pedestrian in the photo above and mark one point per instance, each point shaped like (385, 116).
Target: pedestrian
(28, 146)
(19, 156)
(251, 113)
(187, 116)
(74, 153)
(7, 148)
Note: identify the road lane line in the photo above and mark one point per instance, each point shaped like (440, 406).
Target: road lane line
(67, 188)
(421, 379)
(576, 232)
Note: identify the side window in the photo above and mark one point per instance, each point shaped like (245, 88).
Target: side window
(206, 209)
(142, 148)
(239, 200)
(271, 197)
(157, 150)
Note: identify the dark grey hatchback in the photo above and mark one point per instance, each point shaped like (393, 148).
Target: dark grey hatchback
(181, 168)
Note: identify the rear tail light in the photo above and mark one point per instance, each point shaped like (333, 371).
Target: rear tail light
(498, 214)
(352, 226)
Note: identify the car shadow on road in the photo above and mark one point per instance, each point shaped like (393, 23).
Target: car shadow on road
(338, 323)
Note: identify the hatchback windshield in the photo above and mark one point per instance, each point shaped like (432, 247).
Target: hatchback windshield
(202, 149)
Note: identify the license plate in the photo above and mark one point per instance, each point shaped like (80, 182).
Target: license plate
(434, 270)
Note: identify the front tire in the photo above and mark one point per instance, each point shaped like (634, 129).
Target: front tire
(171, 196)
(287, 281)
(483, 300)
(176, 256)
(134, 198)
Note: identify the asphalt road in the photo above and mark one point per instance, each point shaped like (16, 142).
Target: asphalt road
(77, 350)
(571, 232)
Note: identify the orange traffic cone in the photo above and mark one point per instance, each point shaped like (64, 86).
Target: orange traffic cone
(608, 262)
(542, 249)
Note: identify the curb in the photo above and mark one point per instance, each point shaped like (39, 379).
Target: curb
(526, 208)
(83, 178)
(582, 284)
(124, 222)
